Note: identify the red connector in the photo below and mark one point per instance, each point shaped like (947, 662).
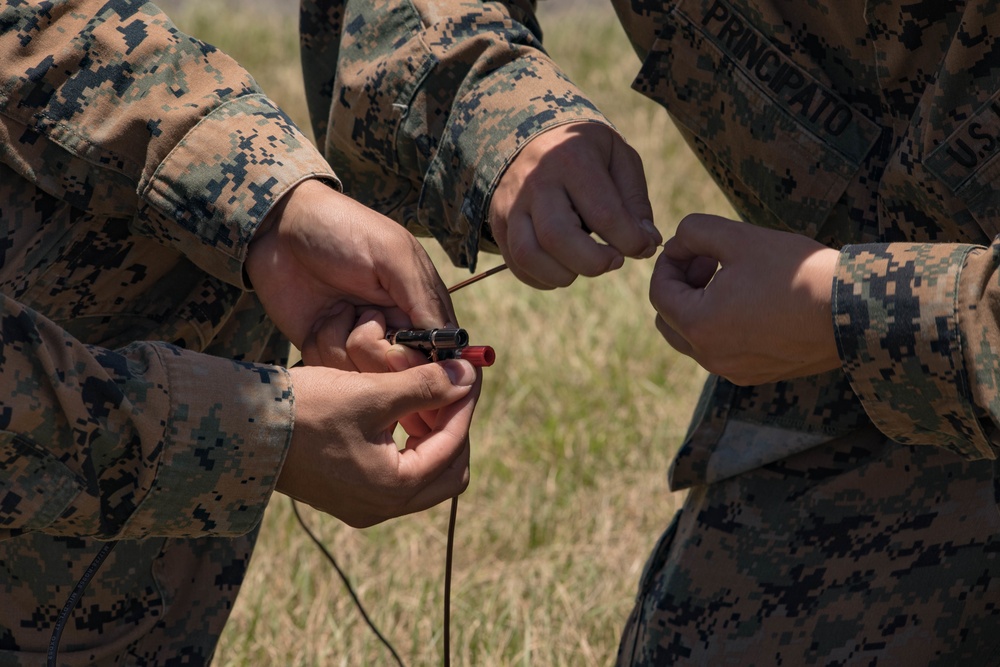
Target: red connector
(477, 355)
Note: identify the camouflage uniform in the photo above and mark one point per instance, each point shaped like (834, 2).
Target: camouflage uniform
(846, 518)
(135, 165)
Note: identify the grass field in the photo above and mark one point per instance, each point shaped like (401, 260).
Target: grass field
(573, 437)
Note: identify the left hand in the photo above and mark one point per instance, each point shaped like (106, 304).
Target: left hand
(320, 251)
(764, 316)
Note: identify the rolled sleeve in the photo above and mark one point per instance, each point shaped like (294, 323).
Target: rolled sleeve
(212, 191)
(224, 442)
(896, 316)
(146, 440)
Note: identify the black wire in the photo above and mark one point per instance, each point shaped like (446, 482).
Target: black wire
(450, 548)
(347, 584)
(447, 581)
(74, 599)
(357, 602)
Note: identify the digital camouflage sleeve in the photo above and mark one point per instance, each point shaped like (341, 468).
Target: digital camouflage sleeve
(420, 105)
(135, 165)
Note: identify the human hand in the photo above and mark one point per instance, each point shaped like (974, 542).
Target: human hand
(343, 459)
(764, 316)
(567, 180)
(320, 250)
(343, 342)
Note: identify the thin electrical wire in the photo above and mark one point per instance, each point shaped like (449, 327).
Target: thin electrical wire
(347, 585)
(74, 599)
(476, 278)
(449, 549)
(453, 515)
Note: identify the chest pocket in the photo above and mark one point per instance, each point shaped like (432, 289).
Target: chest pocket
(781, 144)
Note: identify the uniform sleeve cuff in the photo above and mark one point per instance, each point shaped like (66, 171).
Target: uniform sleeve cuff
(487, 129)
(895, 315)
(215, 187)
(224, 443)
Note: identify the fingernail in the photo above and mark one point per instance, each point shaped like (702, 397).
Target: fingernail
(651, 229)
(461, 373)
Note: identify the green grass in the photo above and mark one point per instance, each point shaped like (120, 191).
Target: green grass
(573, 436)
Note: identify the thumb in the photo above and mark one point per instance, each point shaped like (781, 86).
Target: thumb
(704, 235)
(676, 300)
(427, 387)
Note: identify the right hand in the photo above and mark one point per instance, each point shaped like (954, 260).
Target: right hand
(343, 459)
(565, 183)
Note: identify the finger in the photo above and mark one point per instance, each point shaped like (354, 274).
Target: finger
(396, 318)
(413, 284)
(674, 339)
(708, 235)
(700, 271)
(440, 460)
(425, 387)
(425, 421)
(527, 260)
(418, 424)
(560, 233)
(601, 202)
(630, 178)
(444, 476)
(366, 344)
(326, 344)
(401, 357)
(674, 299)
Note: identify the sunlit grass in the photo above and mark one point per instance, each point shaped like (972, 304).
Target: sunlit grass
(573, 437)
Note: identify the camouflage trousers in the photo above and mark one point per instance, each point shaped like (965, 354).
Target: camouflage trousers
(860, 552)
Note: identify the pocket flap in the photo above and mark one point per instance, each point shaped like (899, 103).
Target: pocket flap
(772, 132)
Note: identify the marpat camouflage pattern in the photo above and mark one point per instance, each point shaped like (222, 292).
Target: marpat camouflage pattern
(137, 400)
(841, 519)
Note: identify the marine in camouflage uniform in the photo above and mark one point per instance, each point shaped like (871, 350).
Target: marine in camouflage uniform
(140, 398)
(842, 518)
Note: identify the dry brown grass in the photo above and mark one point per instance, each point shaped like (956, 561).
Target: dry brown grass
(576, 428)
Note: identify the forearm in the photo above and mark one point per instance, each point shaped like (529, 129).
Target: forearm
(146, 440)
(421, 115)
(113, 110)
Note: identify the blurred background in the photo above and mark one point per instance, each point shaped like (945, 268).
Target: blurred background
(578, 422)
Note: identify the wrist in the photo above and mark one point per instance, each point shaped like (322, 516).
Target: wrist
(295, 199)
(299, 198)
(821, 269)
